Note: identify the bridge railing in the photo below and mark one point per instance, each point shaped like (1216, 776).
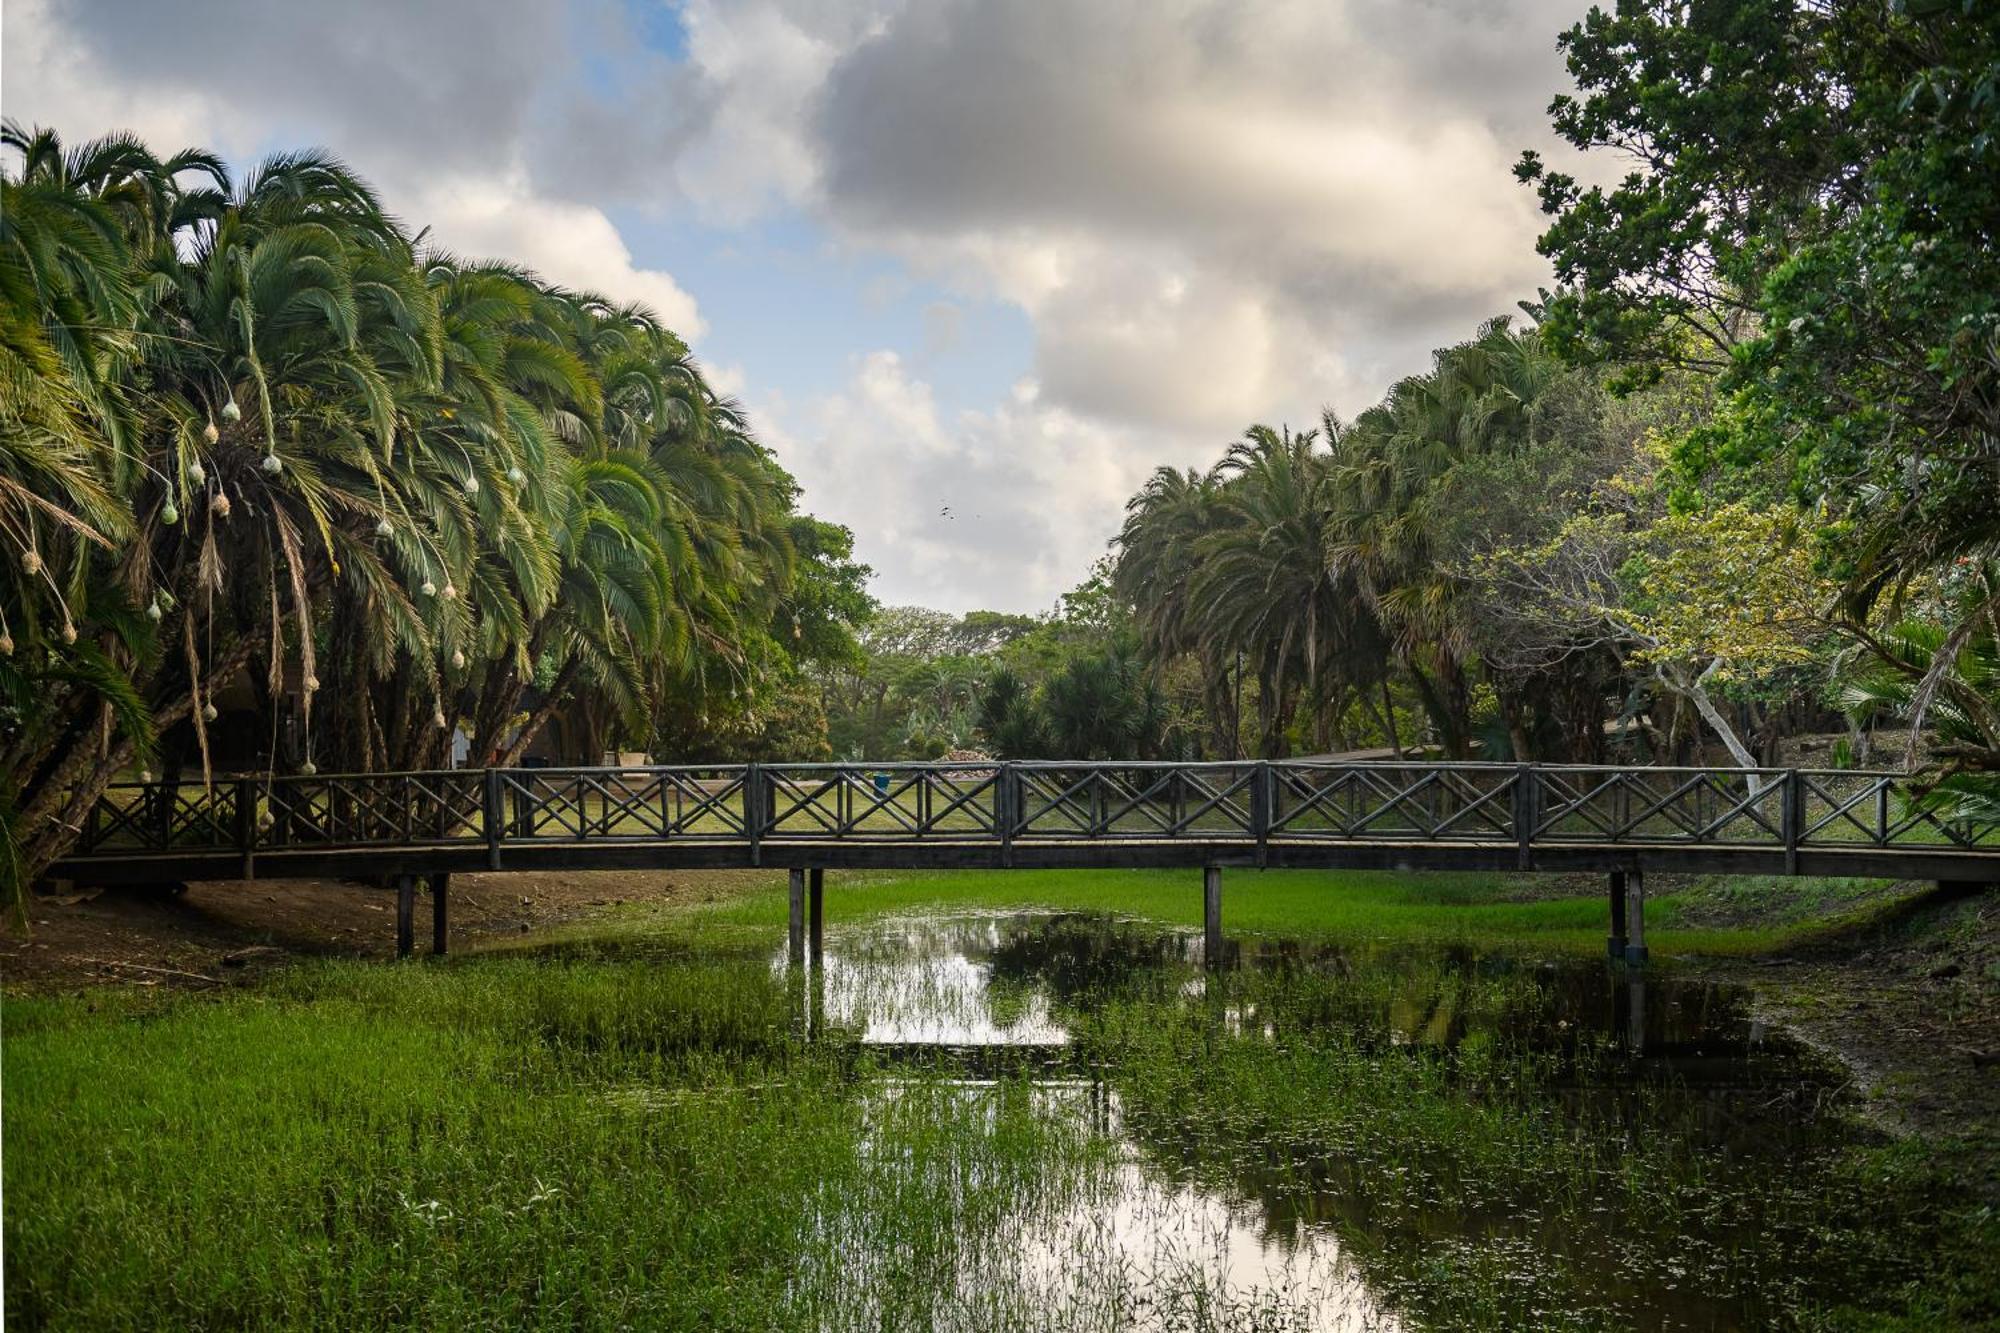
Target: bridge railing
(1709, 806)
(1398, 801)
(1255, 802)
(1137, 801)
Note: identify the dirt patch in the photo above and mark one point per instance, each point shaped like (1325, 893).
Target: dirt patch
(1910, 1002)
(217, 932)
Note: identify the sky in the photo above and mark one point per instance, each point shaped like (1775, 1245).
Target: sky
(975, 267)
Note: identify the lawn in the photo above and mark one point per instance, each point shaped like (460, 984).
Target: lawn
(1521, 913)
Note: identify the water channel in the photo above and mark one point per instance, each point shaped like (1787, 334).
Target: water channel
(1326, 1138)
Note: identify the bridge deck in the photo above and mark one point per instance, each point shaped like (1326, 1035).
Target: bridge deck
(1299, 814)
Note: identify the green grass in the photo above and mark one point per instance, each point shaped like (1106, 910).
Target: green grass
(635, 1141)
(1431, 909)
(498, 1145)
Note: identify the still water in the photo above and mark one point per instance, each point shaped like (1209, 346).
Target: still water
(1325, 1138)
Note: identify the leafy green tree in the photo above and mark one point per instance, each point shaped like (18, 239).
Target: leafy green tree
(1961, 772)
(1811, 214)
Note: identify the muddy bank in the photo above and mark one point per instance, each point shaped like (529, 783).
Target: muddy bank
(214, 932)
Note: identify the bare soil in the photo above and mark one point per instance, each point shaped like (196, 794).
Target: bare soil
(216, 932)
(1910, 1003)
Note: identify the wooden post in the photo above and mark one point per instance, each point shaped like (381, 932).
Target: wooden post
(440, 913)
(796, 940)
(1635, 918)
(815, 912)
(1616, 943)
(1792, 817)
(1007, 810)
(1527, 815)
(246, 826)
(1211, 916)
(406, 913)
(492, 811)
(1263, 809)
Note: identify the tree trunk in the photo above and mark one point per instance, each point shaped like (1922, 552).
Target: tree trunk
(53, 818)
(546, 709)
(1696, 692)
(1389, 718)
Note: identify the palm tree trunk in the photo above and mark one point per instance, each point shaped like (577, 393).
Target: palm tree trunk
(551, 703)
(53, 818)
(1389, 718)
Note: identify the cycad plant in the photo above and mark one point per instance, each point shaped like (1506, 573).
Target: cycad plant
(1946, 680)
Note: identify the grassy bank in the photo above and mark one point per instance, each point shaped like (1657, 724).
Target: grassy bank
(497, 1145)
(1566, 915)
(603, 1141)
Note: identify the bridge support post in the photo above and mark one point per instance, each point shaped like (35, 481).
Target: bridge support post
(796, 939)
(816, 913)
(1635, 918)
(1635, 1015)
(406, 914)
(1616, 943)
(440, 913)
(1211, 916)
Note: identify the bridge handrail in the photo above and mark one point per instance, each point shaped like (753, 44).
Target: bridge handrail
(1018, 801)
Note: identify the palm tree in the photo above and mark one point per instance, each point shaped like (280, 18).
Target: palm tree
(1385, 524)
(1159, 552)
(254, 429)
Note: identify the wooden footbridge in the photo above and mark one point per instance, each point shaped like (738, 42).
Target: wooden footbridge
(807, 818)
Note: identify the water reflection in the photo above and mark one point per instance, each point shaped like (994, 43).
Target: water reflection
(1187, 1214)
(974, 980)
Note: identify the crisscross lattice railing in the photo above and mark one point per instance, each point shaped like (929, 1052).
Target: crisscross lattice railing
(1842, 808)
(881, 802)
(584, 804)
(155, 817)
(1710, 806)
(1347, 802)
(1304, 802)
(1135, 800)
(368, 809)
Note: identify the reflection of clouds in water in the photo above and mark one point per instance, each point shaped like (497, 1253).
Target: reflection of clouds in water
(1034, 1204)
(1095, 1237)
(1099, 1239)
(930, 982)
(1189, 1250)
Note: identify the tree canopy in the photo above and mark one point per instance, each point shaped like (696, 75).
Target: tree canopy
(257, 433)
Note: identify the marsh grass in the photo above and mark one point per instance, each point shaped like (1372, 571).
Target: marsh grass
(1486, 1169)
(638, 1130)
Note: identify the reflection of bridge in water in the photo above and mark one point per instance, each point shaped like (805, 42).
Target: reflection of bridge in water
(807, 818)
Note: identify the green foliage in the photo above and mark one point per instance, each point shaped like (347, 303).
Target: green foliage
(1811, 217)
(1338, 567)
(1950, 680)
(1098, 706)
(257, 422)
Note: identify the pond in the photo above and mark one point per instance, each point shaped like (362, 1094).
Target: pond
(1316, 1137)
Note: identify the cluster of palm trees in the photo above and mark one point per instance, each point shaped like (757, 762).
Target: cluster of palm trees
(257, 429)
(1329, 574)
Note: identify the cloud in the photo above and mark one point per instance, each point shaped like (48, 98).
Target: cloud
(573, 244)
(1211, 212)
(434, 103)
(1004, 508)
(1203, 205)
